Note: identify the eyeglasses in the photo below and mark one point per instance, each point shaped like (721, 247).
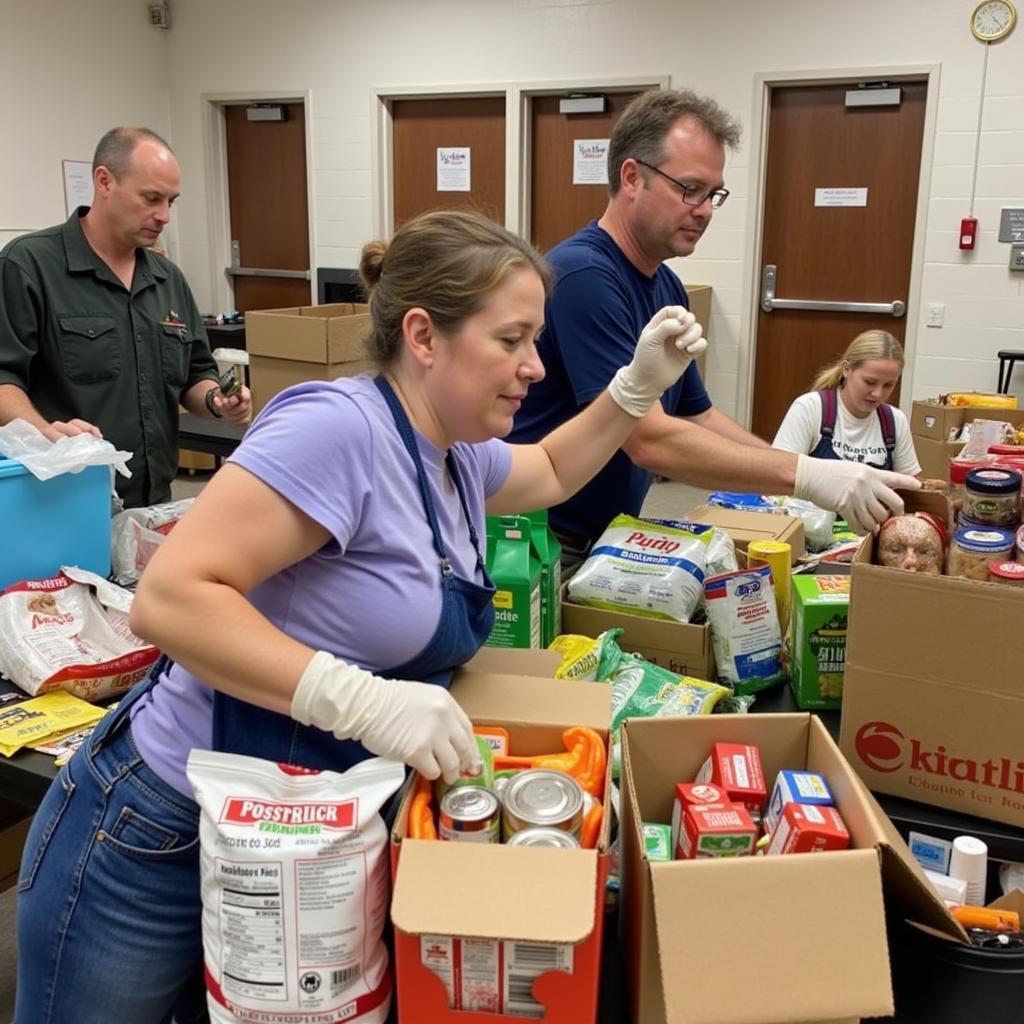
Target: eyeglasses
(691, 194)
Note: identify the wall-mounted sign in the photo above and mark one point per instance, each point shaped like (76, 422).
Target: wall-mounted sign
(590, 162)
(453, 169)
(840, 197)
(77, 184)
(1011, 225)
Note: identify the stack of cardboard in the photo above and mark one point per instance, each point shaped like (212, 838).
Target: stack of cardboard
(932, 426)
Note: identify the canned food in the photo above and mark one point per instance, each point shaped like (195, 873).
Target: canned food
(545, 837)
(539, 796)
(1006, 572)
(469, 814)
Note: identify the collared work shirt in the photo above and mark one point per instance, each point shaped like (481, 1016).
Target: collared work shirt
(81, 345)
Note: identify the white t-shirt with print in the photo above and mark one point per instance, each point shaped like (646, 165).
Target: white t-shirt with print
(854, 439)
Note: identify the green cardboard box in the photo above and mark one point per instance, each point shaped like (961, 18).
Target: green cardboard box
(549, 553)
(516, 571)
(817, 639)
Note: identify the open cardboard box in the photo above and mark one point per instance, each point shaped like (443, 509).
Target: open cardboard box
(805, 933)
(933, 708)
(744, 527)
(681, 647)
(300, 343)
(503, 893)
(936, 422)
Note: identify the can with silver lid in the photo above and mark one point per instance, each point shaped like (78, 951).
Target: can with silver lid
(542, 797)
(469, 814)
(544, 836)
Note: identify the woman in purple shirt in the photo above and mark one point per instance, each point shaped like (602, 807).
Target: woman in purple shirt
(316, 600)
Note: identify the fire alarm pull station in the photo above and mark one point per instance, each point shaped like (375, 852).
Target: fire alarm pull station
(968, 232)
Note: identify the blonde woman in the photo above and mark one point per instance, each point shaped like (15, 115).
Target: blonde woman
(845, 415)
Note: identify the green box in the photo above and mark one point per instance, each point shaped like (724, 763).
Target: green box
(657, 841)
(549, 553)
(817, 640)
(516, 571)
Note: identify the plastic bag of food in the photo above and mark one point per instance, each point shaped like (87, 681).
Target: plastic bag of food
(641, 689)
(583, 657)
(645, 567)
(295, 889)
(745, 630)
(136, 533)
(70, 631)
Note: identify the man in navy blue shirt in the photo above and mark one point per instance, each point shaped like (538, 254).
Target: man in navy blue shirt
(666, 159)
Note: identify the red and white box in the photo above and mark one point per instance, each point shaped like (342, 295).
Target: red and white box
(736, 769)
(715, 830)
(805, 828)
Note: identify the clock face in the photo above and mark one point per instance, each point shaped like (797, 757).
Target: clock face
(993, 20)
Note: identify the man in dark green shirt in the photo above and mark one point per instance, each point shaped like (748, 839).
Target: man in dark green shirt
(98, 333)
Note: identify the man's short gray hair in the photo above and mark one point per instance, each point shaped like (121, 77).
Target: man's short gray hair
(115, 149)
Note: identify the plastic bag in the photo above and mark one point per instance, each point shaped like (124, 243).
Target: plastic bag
(295, 889)
(136, 533)
(45, 459)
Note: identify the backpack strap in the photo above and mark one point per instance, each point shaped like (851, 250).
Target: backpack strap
(888, 421)
(828, 412)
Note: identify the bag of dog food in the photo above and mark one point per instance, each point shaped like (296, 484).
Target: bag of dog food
(295, 889)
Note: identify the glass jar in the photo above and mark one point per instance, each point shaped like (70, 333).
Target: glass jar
(1020, 544)
(1006, 572)
(958, 470)
(973, 548)
(992, 497)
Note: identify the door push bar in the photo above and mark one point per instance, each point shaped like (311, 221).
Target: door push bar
(769, 302)
(262, 272)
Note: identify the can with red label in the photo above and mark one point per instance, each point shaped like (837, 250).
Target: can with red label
(469, 814)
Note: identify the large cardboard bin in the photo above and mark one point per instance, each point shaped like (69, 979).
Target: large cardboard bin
(496, 894)
(681, 647)
(933, 702)
(756, 940)
(288, 346)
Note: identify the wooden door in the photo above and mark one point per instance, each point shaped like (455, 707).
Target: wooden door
(558, 208)
(848, 253)
(268, 203)
(421, 127)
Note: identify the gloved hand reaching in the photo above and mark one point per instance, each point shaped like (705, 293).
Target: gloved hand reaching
(862, 495)
(666, 348)
(417, 723)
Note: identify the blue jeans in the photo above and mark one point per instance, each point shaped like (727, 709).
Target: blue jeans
(109, 912)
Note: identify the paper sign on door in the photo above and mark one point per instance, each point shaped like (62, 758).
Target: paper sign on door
(453, 168)
(840, 197)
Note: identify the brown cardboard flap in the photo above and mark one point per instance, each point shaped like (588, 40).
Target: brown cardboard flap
(837, 949)
(495, 892)
(527, 700)
(744, 527)
(904, 881)
(513, 660)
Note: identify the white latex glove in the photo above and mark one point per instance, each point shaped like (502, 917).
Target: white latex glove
(666, 348)
(862, 495)
(417, 723)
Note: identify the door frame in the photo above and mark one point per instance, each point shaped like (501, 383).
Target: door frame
(382, 176)
(215, 159)
(750, 303)
(517, 131)
(520, 100)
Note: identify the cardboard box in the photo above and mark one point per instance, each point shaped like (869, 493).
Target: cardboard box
(700, 306)
(744, 527)
(681, 647)
(817, 639)
(933, 708)
(935, 422)
(288, 346)
(934, 456)
(805, 932)
(496, 893)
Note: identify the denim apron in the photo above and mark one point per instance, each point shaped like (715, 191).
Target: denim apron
(467, 615)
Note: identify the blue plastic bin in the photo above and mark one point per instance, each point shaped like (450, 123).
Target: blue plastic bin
(45, 524)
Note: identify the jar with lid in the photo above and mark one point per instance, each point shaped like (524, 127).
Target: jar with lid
(1006, 572)
(973, 548)
(992, 497)
(1020, 544)
(958, 470)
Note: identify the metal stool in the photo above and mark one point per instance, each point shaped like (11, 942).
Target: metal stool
(1007, 357)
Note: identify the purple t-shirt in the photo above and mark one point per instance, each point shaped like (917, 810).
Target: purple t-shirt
(371, 595)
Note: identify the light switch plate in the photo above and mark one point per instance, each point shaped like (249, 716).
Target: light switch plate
(1017, 257)
(936, 314)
